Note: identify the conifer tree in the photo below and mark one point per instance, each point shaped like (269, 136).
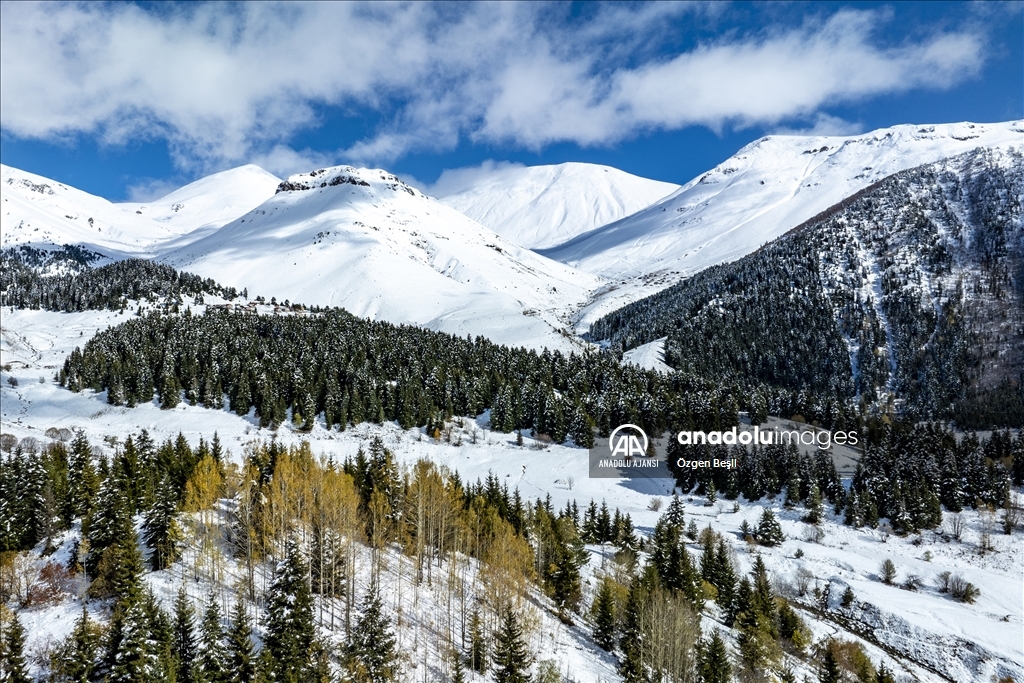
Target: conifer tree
(371, 655)
(726, 578)
(511, 659)
(183, 642)
(160, 530)
(458, 673)
(13, 666)
(631, 665)
(713, 664)
(289, 622)
(240, 657)
(84, 651)
(134, 654)
(815, 507)
(212, 656)
(828, 669)
(769, 532)
(603, 613)
(82, 480)
(477, 643)
(883, 675)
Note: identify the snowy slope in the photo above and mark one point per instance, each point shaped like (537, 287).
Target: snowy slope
(209, 203)
(363, 240)
(40, 211)
(767, 188)
(543, 206)
(955, 641)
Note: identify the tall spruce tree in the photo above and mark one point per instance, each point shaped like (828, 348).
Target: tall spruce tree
(371, 655)
(289, 626)
(183, 643)
(212, 656)
(603, 613)
(511, 658)
(477, 643)
(713, 664)
(135, 657)
(241, 658)
(160, 531)
(13, 665)
(84, 650)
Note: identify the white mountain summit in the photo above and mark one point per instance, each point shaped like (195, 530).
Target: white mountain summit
(364, 240)
(767, 188)
(543, 206)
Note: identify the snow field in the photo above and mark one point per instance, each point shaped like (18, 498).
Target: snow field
(946, 640)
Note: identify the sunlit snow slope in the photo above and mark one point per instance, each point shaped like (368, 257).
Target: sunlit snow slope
(42, 212)
(201, 207)
(767, 188)
(364, 240)
(542, 206)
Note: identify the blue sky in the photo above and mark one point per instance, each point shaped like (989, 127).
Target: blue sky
(131, 101)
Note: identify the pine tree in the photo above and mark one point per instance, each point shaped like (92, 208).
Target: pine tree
(713, 664)
(828, 670)
(84, 651)
(13, 667)
(603, 613)
(769, 532)
(289, 623)
(815, 507)
(212, 657)
(883, 675)
(511, 659)
(477, 643)
(135, 657)
(458, 673)
(371, 655)
(161, 632)
(240, 656)
(726, 583)
(160, 531)
(183, 643)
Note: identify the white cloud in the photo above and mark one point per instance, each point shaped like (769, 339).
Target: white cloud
(226, 84)
(455, 180)
(284, 161)
(149, 189)
(823, 124)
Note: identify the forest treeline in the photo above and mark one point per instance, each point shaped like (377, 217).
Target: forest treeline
(64, 280)
(310, 545)
(347, 370)
(907, 474)
(908, 299)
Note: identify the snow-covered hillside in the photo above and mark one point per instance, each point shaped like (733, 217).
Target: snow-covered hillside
(40, 212)
(922, 634)
(543, 206)
(201, 207)
(767, 188)
(363, 240)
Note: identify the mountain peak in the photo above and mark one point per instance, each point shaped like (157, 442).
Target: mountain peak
(541, 206)
(345, 175)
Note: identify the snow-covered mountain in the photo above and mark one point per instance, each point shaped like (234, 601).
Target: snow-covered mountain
(42, 212)
(201, 207)
(767, 188)
(364, 240)
(543, 206)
